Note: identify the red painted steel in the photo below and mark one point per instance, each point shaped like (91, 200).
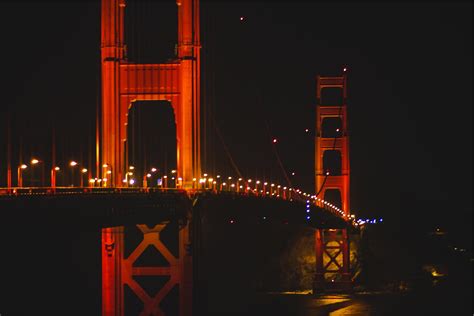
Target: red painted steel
(332, 245)
(124, 82)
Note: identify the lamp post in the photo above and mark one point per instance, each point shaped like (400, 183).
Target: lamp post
(53, 176)
(127, 178)
(145, 179)
(256, 186)
(83, 172)
(72, 164)
(150, 179)
(20, 176)
(106, 172)
(34, 162)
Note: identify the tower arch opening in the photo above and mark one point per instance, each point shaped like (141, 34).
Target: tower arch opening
(332, 162)
(151, 140)
(331, 127)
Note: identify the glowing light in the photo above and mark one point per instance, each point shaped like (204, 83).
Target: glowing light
(73, 163)
(224, 184)
(23, 166)
(327, 173)
(275, 140)
(153, 169)
(293, 173)
(337, 130)
(56, 168)
(306, 130)
(241, 18)
(105, 165)
(194, 179)
(148, 175)
(205, 175)
(344, 69)
(249, 180)
(132, 181)
(34, 161)
(91, 180)
(84, 170)
(131, 173)
(174, 171)
(231, 221)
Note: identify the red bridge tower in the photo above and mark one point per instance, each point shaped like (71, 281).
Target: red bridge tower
(124, 82)
(332, 143)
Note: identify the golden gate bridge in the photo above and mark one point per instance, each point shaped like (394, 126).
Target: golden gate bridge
(177, 82)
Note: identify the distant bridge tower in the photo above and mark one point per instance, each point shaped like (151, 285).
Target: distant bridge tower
(332, 143)
(124, 82)
(332, 182)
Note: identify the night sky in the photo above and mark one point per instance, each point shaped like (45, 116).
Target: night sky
(409, 98)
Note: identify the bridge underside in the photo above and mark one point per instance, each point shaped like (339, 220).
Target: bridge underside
(240, 245)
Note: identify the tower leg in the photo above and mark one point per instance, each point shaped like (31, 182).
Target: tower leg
(118, 271)
(332, 261)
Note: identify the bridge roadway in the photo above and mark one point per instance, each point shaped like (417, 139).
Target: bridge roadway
(108, 207)
(51, 244)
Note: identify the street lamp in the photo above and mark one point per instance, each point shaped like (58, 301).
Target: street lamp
(106, 172)
(20, 177)
(34, 162)
(53, 176)
(256, 186)
(127, 178)
(145, 180)
(72, 164)
(83, 171)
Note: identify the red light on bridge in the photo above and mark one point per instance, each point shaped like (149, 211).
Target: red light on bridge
(275, 140)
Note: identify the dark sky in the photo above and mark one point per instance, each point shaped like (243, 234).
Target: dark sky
(409, 80)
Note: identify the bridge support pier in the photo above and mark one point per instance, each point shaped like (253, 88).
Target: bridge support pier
(332, 261)
(119, 271)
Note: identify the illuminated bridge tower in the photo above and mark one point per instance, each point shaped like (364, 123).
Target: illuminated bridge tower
(332, 181)
(124, 82)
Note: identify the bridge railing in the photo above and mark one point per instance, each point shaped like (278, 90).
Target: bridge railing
(274, 192)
